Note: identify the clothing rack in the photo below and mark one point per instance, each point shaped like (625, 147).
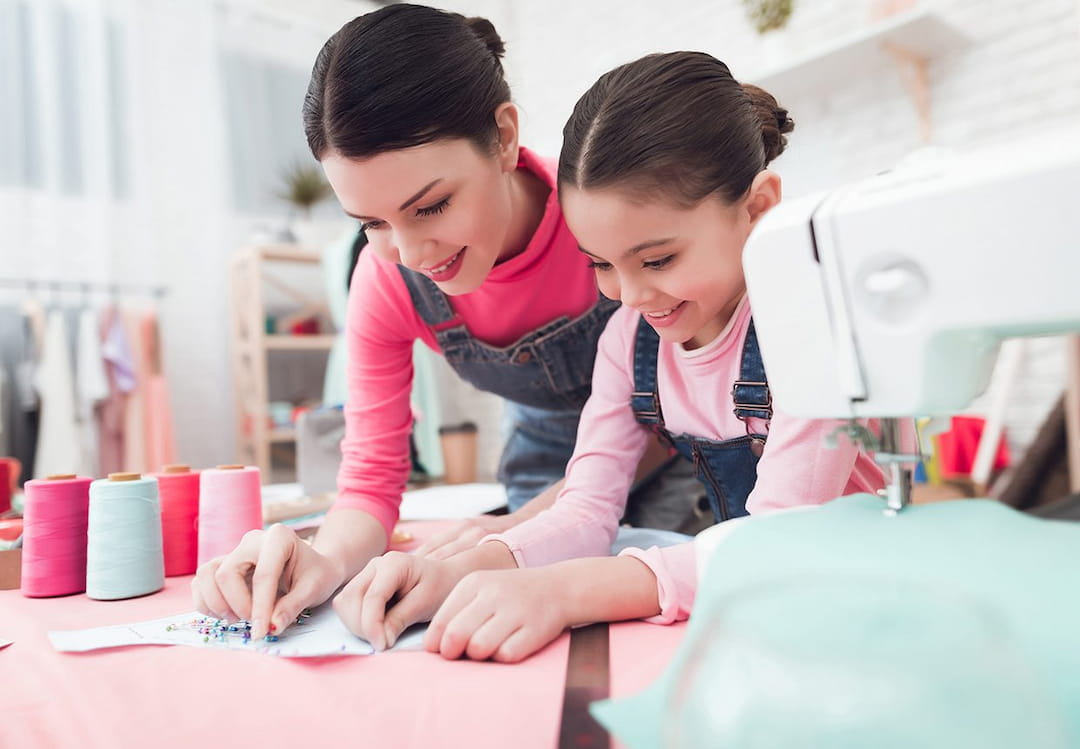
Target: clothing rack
(32, 284)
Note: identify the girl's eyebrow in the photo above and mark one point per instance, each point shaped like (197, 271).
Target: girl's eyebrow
(636, 248)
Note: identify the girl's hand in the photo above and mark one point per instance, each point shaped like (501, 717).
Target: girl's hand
(392, 592)
(505, 615)
(268, 579)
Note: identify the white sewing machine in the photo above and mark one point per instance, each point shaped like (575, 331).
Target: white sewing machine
(890, 297)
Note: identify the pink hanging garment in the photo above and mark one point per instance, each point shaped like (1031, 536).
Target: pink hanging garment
(134, 419)
(159, 442)
(120, 374)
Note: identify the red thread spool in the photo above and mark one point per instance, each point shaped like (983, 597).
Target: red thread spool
(178, 489)
(6, 481)
(54, 536)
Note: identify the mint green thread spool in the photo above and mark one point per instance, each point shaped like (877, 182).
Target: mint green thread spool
(124, 556)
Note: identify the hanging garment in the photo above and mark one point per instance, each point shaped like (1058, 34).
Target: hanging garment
(134, 420)
(91, 388)
(16, 362)
(27, 403)
(58, 449)
(120, 376)
(159, 441)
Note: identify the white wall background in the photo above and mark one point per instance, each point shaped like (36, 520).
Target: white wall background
(1019, 75)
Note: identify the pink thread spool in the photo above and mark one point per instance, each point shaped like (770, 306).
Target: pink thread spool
(54, 536)
(230, 505)
(178, 489)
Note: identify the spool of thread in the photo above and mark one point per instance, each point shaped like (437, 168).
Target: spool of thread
(123, 538)
(178, 490)
(6, 481)
(230, 505)
(54, 536)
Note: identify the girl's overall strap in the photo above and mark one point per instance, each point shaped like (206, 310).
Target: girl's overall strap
(750, 393)
(645, 400)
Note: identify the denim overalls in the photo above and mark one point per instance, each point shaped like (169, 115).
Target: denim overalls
(545, 377)
(727, 468)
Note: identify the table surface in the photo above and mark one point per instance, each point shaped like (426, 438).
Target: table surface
(171, 696)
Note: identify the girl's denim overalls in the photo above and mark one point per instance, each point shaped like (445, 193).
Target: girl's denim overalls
(727, 468)
(545, 377)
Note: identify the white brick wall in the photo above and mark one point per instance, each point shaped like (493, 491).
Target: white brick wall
(1020, 74)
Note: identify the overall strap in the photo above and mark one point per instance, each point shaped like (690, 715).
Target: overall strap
(432, 305)
(750, 393)
(645, 400)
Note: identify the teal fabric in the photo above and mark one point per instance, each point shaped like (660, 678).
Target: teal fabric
(425, 401)
(1024, 570)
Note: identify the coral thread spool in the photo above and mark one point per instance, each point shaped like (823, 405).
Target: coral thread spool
(230, 505)
(54, 536)
(178, 489)
(123, 556)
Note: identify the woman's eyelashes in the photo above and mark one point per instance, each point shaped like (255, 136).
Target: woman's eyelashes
(434, 210)
(431, 210)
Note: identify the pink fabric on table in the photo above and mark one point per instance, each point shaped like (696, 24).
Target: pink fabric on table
(695, 394)
(548, 280)
(165, 697)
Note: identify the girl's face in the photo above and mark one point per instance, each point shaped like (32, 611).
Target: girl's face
(680, 268)
(443, 209)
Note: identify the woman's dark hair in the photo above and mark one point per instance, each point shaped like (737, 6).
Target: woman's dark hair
(402, 76)
(676, 123)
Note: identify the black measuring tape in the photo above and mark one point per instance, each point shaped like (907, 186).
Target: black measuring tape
(587, 680)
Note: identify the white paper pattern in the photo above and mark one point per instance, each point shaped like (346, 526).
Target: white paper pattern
(322, 634)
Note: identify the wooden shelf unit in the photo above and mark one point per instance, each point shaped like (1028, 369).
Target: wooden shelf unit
(251, 347)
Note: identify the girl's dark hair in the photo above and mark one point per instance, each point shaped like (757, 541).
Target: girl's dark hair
(402, 76)
(676, 123)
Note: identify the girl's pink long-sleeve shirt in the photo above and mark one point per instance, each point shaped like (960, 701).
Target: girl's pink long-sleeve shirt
(796, 467)
(549, 279)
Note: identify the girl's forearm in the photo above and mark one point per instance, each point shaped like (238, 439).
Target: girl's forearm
(605, 589)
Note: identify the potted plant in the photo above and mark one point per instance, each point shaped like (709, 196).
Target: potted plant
(769, 17)
(304, 188)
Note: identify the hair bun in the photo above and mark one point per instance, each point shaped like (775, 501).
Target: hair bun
(784, 123)
(485, 32)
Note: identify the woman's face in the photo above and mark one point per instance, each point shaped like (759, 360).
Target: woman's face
(443, 209)
(681, 268)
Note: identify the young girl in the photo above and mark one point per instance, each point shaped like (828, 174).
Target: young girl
(409, 114)
(662, 177)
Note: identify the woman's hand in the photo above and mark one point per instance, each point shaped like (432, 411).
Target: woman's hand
(505, 615)
(268, 579)
(464, 535)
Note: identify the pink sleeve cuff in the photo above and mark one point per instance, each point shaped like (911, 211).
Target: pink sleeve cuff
(676, 598)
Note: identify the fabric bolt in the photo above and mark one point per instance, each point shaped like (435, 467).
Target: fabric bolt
(91, 388)
(694, 387)
(58, 448)
(548, 281)
(158, 433)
